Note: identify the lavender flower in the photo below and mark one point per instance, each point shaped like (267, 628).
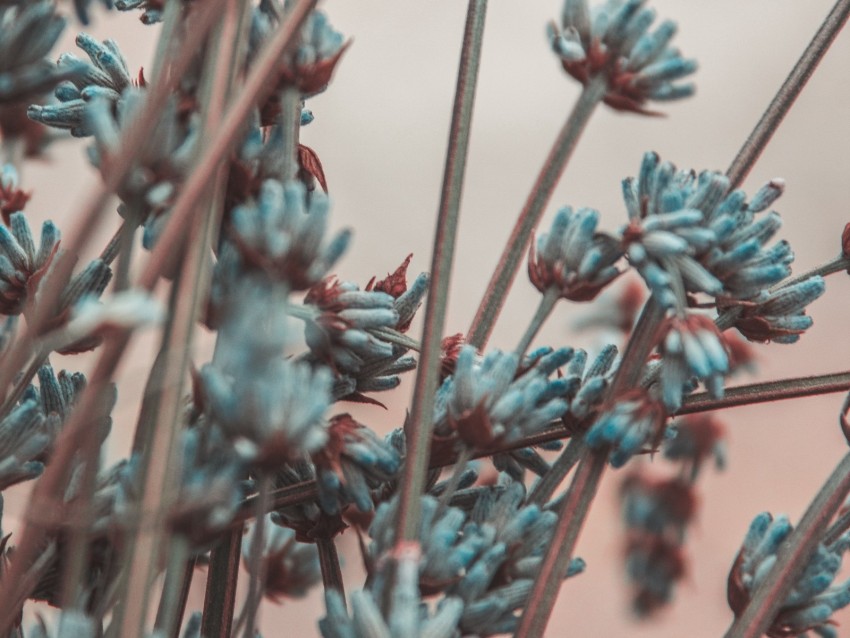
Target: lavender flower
(28, 31)
(21, 262)
(614, 42)
(152, 10)
(814, 596)
(352, 463)
(781, 314)
(25, 436)
(688, 233)
(338, 331)
(627, 427)
(691, 347)
(283, 235)
(591, 381)
(573, 258)
(491, 399)
(106, 77)
(405, 615)
(289, 568)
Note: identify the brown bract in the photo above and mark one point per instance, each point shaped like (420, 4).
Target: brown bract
(449, 350)
(12, 200)
(395, 283)
(545, 276)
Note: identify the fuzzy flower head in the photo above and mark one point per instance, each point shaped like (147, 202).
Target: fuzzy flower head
(697, 439)
(688, 233)
(22, 264)
(28, 31)
(691, 347)
(572, 257)
(781, 315)
(814, 596)
(634, 423)
(614, 41)
(491, 399)
(106, 76)
(338, 332)
(289, 568)
(283, 235)
(352, 463)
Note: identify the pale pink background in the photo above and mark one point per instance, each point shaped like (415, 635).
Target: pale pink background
(381, 132)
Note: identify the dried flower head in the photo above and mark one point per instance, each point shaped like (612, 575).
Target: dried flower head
(12, 198)
(572, 257)
(633, 424)
(491, 399)
(695, 440)
(813, 598)
(614, 42)
(22, 265)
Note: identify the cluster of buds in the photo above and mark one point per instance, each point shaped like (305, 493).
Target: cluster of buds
(814, 596)
(615, 43)
(633, 424)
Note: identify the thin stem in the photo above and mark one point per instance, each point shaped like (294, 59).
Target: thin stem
(529, 217)
(643, 339)
(255, 566)
(792, 557)
(574, 510)
(767, 391)
(549, 482)
(329, 562)
(167, 616)
(788, 93)
(837, 529)
(454, 481)
(222, 578)
(419, 426)
(544, 309)
(291, 117)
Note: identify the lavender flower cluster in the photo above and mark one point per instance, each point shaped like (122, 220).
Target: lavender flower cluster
(263, 428)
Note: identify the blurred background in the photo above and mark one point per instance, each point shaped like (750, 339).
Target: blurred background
(381, 131)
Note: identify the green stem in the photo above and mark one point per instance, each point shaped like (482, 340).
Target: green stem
(573, 512)
(792, 557)
(255, 567)
(544, 309)
(329, 562)
(505, 272)
(419, 427)
(788, 93)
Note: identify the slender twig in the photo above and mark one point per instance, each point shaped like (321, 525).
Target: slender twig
(788, 93)
(167, 616)
(419, 426)
(505, 272)
(837, 529)
(544, 309)
(256, 563)
(329, 563)
(557, 559)
(757, 617)
(698, 402)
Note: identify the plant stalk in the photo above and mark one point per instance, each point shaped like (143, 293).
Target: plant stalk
(505, 272)
(544, 309)
(419, 426)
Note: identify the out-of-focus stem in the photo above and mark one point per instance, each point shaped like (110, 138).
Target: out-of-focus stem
(544, 309)
(505, 272)
(329, 562)
(419, 426)
(788, 93)
(220, 595)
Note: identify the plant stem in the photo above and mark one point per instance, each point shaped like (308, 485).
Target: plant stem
(220, 594)
(549, 482)
(788, 93)
(503, 276)
(167, 616)
(767, 391)
(571, 518)
(419, 426)
(256, 565)
(544, 309)
(329, 562)
(793, 554)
